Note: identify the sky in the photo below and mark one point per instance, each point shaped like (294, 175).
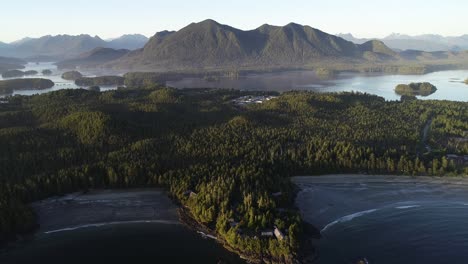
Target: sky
(112, 18)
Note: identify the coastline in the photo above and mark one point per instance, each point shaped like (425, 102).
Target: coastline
(102, 207)
(107, 207)
(187, 219)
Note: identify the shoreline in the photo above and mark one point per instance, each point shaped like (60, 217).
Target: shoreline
(103, 207)
(59, 214)
(186, 219)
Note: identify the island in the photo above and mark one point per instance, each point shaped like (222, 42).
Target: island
(9, 86)
(47, 72)
(466, 81)
(31, 72)
(325, 73)
(100, 81)
(413, 89)
(13, 74)
(72, 75)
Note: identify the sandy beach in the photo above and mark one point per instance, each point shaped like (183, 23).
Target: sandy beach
(105, 207)
(326, 200)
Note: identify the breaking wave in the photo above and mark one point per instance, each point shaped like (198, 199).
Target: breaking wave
(113, 223)
(408, 206)
(347, 218)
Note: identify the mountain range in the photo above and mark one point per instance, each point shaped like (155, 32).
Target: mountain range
(65, 46)
(211, 45)
(428, 42)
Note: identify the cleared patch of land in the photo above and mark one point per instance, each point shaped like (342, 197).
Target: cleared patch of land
(325, 199)
(103, 207)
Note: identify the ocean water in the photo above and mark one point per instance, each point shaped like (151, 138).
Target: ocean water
(449, 83)
(430, 232)
(387, 219)
(123, 243)
(56, 77)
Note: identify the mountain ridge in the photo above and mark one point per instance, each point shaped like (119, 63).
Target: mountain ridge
(62, 47)
(209, 44)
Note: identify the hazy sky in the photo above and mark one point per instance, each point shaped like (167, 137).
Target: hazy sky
(111, 18)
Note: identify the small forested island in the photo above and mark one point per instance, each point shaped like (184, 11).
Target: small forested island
(8, 86)
(422, 89)
(46, 72)
(72, 75)
(13, 74)
(29, 73)
(229, 166)
(325, 73)
(100, 81)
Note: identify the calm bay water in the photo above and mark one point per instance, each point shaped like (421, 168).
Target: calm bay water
(449, 83)
(429, 233)
(128, 243)
(56, 77)
(387, 219)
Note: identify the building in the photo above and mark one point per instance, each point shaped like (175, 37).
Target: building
(278, 234)
(233, 223)
(459, 160)
(267, 233)
(249, 99)
(277, 194)
(190, 194)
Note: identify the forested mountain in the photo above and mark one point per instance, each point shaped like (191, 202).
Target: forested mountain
(92, 58)
(209, 44)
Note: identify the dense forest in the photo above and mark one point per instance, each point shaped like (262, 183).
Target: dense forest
(423, 89)
(229, 164)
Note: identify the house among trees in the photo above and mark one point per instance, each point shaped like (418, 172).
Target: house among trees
(233, 223)
(277, 194)
(267, 233)
(460, 160)
(278, 234)
(190, 194)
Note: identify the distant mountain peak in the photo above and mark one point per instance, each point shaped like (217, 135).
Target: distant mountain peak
(210, 22)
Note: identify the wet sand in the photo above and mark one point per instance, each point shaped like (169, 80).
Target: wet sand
(105, 207)
(326, 200)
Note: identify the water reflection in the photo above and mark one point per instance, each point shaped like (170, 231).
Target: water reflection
(449, 83)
